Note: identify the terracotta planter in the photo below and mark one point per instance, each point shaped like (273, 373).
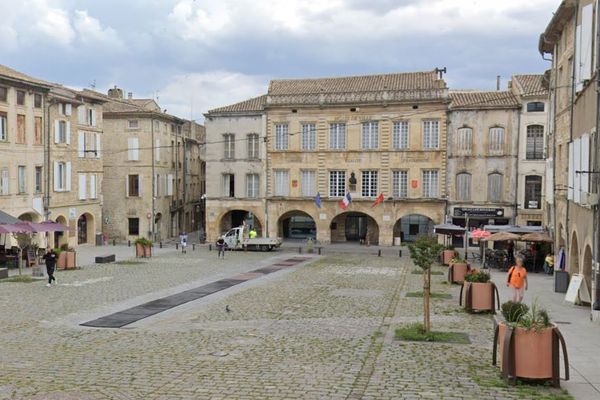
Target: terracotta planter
(530, 354)
(447, 256)
(479, 297)
(66, 260)
(143, 251)
(457, 272)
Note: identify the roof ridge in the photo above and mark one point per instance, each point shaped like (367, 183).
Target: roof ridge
(351, 76)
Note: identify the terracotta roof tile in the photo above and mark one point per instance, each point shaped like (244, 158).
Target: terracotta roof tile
(13, 74)
(472, 100)
(531, 85)
(253, 104)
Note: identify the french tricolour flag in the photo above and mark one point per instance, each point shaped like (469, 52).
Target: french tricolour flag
(345, 201)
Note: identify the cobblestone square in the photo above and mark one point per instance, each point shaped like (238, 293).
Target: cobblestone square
(321, 330)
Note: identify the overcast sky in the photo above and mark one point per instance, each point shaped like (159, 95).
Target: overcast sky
(200, 54)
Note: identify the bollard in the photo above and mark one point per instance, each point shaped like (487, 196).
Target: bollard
(319, 250)
(299, 250)
(160, 244)
(129, 243)
(193, 247)
(379, 253)
(114, 242)
(210, 247)
(399, 253)
(176, 246)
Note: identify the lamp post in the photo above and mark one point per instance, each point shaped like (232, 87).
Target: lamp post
(202, 222)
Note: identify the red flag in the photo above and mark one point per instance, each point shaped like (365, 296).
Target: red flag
(378, 200)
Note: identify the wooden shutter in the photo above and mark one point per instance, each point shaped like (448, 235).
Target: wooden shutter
(82, 187)
(55, 176)
(170, 185)
(140, 185)
(93, 114)
(585, 53)
(81, 115)
(57, 131)
(157, 150)
(126, 185)
(98, 144)
(68, 109)
(93, 188)
(81, 144)
(130, 149)
(68, 179)
(5, 186)
(576, 168)
(571, 172)
(584, 176)
(68, 134)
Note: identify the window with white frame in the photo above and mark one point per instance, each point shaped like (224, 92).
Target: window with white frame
(62, 176)
(369, 184)
(253, 146)
(495, 187)
(464, 140)
(134, 183)
(337, 136)
(309, 136)
(370, 135)
(61, 133)
(22, 173)
(282, 183)
(400, 135)
(431, 134)
(4, 182)
(533, 191)
(252, 185)
(463, 186)
(3, 127)
(228, 146)
(430, 183)
(82, 186)
(281, 137)
(133, 149)
(400, 184)
(309, 183)
(337, 183)
(535, 142)
(38, 179)
(496, 140)
(133, 124)
(93, 187)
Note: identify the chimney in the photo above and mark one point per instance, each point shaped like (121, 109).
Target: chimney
(115, 93)
(129, 95)
(498, 82)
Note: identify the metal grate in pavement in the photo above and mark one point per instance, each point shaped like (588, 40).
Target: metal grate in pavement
(131, 315)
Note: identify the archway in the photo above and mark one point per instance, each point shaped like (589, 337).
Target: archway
(235, 218)
(296, 225)
(61, 238)
(574, 255)
(354, 227)
(587, 268)
(30, 217)
(409, 227)
(85, 228)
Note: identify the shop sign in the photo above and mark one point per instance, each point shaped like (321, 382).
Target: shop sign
(478, 212)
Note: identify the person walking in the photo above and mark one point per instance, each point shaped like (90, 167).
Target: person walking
(549, 264)
(183, 240)
(221, 248)
(517, 280)
(50, 258)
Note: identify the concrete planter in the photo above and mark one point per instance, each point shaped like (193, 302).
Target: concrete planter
(66, 260)
(479, 296)
(529, 354)
(457, 272)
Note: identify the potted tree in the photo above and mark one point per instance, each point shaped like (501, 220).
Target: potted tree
(477, 292)
(67, 257)
(457, 270)
(143, 247)
(448, 254)
(424, 251)
(528, 344)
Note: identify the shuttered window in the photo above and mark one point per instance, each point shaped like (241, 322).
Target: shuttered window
(252, 185)
(229, 146)
(535, 142)
(4, 182)
(3, 127)
(253, 146)
(309, 183)
(495, 187)
(282, 185)
(22, 181)
(496, 140)
(464, 140)
(463, 186)
(133, 149)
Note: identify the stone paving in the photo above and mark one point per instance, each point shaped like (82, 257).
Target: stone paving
(323, 330)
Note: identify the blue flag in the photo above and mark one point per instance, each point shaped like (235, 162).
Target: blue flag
(318, 200)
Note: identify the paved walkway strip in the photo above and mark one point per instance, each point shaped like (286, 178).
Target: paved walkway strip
(131, 315)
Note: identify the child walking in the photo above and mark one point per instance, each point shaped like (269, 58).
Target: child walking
(517, 280)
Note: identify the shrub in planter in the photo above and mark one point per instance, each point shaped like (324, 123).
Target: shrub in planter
(477, 292)
(143, 247)
(457, 270)
(448, 254)
(528, 344)
(67, 257)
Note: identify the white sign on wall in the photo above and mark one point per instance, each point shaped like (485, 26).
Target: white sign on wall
(72, 213)
(322, 216)
(386, 217)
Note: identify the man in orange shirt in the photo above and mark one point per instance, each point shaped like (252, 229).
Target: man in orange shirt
(517, 280)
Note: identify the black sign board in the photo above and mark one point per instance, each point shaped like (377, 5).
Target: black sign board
(478, 212)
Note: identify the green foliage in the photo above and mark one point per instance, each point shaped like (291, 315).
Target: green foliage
(536, 319)
(58, 250)
(512, 312)
(424, 251)
(457, 260)
(478, 276)
(416, 332)
(143, 241)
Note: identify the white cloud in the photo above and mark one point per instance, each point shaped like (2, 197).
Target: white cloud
(196, 93)
(53, 23)
(90, 31)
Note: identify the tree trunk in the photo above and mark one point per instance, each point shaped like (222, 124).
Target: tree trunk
(426, 292)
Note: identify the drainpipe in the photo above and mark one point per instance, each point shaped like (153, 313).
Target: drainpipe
(571, 113)
(594, 169)
(517, 162)
(153, 219)
(47, 159)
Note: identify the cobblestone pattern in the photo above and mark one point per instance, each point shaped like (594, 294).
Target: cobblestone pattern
(322, 331)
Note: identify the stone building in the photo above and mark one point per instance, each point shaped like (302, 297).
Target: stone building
(532, 92)
(235, 155)
(483, 134)
(573, 148)
(143, 168)
(23, 176)
(194, 178)
(75, 163)
(356, 137)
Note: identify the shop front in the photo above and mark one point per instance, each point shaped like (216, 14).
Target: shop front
(478, 217)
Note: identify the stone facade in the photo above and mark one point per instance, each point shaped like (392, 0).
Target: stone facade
(143, 166)
(573, 144)
(76, 165)
(194, 185)
(235, 154)
(23, 175)
(483, 135)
